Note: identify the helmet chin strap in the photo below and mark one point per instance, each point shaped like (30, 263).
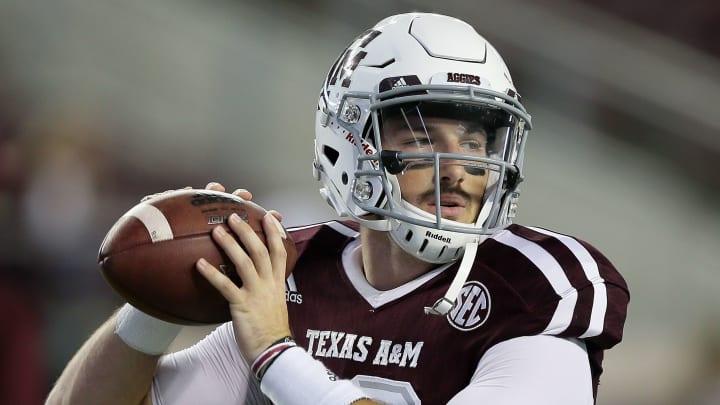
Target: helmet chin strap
(374, 224)
(442, 306)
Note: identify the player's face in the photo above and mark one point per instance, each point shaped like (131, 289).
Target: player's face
(462, 182)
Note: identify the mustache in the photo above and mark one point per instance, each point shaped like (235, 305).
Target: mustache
(430, 194)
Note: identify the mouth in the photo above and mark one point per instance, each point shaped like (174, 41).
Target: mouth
(450, 200)
(451, 205)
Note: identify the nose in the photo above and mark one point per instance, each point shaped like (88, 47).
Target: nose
(452, 172)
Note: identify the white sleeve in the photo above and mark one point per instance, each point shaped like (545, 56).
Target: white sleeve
(538, 370)
(209, 372)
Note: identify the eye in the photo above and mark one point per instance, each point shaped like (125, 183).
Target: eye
(473, 145)
(417, 142)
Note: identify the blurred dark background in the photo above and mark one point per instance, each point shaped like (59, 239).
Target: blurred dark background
(103, 102)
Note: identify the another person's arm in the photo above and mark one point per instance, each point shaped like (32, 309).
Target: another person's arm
(106, 368)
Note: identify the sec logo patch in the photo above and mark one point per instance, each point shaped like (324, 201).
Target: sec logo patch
(472, 308)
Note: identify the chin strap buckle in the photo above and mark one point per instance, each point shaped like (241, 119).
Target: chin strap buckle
(441, 307)
(445, 304)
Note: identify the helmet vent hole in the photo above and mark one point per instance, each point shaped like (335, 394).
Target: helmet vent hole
(344, 178)
(442, 251)
(408, 236)
(331, 154)
(423, 246)
(384, 64)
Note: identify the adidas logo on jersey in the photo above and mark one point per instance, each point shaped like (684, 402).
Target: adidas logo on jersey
(293, 296)
(291, 293)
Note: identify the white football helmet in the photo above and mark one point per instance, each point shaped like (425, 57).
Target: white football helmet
(411, 67)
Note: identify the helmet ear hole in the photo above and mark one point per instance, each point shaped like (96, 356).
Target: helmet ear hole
(331, 154)
(344, 178)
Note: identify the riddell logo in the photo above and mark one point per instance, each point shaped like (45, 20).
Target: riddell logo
(436, 236)
(367, 148)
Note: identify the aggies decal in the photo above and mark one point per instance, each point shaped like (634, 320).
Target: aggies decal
(463, 78)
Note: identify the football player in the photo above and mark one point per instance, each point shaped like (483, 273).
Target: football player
(427, 293)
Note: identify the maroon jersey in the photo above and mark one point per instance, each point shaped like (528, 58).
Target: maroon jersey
(524, 282)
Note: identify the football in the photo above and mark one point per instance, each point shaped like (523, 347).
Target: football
(149, 254)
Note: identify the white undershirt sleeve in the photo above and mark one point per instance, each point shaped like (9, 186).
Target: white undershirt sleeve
(210, 372)
(538, 370)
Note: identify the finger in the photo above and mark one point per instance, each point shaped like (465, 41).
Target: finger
(244, 265)
(220, 281)
(254, 246)
(276, 215)
(215, 186)
(244, 194)
(274, 236)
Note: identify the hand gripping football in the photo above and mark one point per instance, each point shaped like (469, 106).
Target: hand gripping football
(149, 254)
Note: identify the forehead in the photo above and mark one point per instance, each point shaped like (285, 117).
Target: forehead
(427, 115)
(430, 125)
